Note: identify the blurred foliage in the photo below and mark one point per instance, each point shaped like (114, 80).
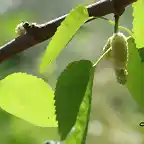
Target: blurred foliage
(115, 116)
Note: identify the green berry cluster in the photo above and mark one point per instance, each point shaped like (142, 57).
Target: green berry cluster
(118, 55)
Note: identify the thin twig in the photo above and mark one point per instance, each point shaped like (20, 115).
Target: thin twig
(45, 31)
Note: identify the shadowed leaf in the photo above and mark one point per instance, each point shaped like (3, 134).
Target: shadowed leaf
(70, 91)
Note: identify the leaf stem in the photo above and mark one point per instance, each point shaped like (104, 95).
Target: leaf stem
(112, 22)
(116, 26)
(101, 57)
(120, 27)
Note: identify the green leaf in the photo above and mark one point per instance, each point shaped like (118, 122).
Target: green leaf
(138, 23)
(78, 135)
(70, 90)
(64, 34)
(135, 82)
(28, 98)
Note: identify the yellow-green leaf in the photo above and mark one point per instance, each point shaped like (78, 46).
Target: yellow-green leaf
(29, 98)
(64, 34)
(138, 23)
(135, 81)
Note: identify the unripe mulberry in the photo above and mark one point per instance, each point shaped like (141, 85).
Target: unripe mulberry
(121, 76)
(119, 53)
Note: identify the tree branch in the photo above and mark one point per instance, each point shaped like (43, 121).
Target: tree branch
(45, 31)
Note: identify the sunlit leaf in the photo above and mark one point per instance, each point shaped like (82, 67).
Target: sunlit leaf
(135, 81)
(64, 34)
(138, 23)
(29, 98)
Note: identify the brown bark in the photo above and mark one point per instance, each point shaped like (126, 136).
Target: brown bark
(45, 31)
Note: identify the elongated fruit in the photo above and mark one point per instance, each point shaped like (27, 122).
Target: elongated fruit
(118, 55)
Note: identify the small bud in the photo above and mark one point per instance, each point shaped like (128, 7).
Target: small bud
(20, 30)
(24, 27)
